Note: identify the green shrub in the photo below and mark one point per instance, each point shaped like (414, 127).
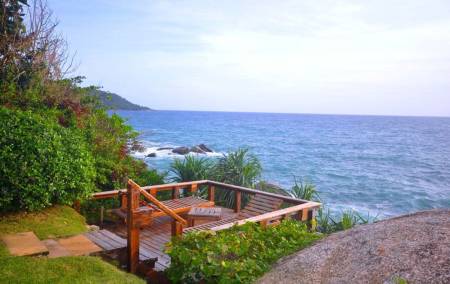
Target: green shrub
(347, 219)
(238, 255)
(191, 168)
(304, 190)
(41, 163)
(239, 168)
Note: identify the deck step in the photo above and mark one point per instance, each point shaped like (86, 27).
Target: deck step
(107, 240)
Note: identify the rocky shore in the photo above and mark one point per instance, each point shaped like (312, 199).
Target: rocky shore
(184, 150)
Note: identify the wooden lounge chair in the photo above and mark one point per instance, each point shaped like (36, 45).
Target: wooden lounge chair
(179, 206)
(259, 204)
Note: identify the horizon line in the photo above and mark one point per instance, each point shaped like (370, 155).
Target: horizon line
(299, 113)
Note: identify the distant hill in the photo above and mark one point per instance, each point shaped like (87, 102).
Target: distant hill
(114, 101)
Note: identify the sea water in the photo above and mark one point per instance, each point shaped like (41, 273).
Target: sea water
(380, 165)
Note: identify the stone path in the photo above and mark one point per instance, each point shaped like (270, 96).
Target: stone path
(24, 244)
(27, 244)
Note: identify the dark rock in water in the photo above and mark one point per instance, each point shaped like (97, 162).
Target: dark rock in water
(164, 148)
(205, 148)
(197, 149)
(151, 155)
(181, 150)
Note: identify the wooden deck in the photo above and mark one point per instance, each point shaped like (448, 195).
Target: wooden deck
(153, 238)
(150, 225)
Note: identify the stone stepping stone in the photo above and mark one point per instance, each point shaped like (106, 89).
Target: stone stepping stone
(55, 249)
(26, 243)
(79, 245)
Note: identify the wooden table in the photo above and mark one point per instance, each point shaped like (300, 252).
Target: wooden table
(204, 213)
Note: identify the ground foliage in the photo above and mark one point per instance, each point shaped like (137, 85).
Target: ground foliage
(238, 255)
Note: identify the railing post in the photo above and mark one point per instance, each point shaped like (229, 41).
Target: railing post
(237, 203)
(211, 189)
(263, 223)
(175, 192)
(132, 229)
(177, 228)
(77, 205)
(194, 188)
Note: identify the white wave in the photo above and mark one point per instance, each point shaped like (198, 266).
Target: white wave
(167, 153)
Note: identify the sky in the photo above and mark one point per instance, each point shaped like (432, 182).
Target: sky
(339, 57)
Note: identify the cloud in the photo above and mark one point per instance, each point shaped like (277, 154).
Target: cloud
(293, 56)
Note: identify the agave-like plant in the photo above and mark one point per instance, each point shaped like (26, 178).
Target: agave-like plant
(304, 190)
(190, 168)
(239, 168)
(326, 223)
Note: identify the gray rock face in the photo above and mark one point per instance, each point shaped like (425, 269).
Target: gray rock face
(181, 150)
(151, 155)
(414, 247)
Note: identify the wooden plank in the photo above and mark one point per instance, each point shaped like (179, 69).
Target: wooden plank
(105, 245)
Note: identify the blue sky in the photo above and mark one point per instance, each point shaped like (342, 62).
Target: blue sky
(343, 57)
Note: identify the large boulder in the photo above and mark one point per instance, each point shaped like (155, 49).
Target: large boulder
(197, 149)
(181, 150)
(151, 155)
(204, 148)
(414, 248)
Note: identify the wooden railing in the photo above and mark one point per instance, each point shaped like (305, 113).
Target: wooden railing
(135, 220)
(153, 189)
(273, 218)
(302, 209)
(193, 185)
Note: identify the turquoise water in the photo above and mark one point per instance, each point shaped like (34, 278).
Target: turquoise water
(382, 165)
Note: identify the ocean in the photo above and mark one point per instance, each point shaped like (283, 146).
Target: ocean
(377, 165)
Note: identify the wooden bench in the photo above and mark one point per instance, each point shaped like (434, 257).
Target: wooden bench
(258, 205)
(203, 213)
(178, 205)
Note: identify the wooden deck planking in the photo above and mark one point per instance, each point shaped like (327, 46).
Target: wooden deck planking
(153, 238)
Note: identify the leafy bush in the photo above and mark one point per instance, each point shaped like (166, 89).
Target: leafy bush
(41, 163)
(238, 255)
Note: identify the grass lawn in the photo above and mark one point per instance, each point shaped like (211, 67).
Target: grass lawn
(58, 221)
(80, 269)
(54, 222)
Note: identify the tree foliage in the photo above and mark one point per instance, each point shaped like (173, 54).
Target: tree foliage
(66, 120)
(41, 163)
